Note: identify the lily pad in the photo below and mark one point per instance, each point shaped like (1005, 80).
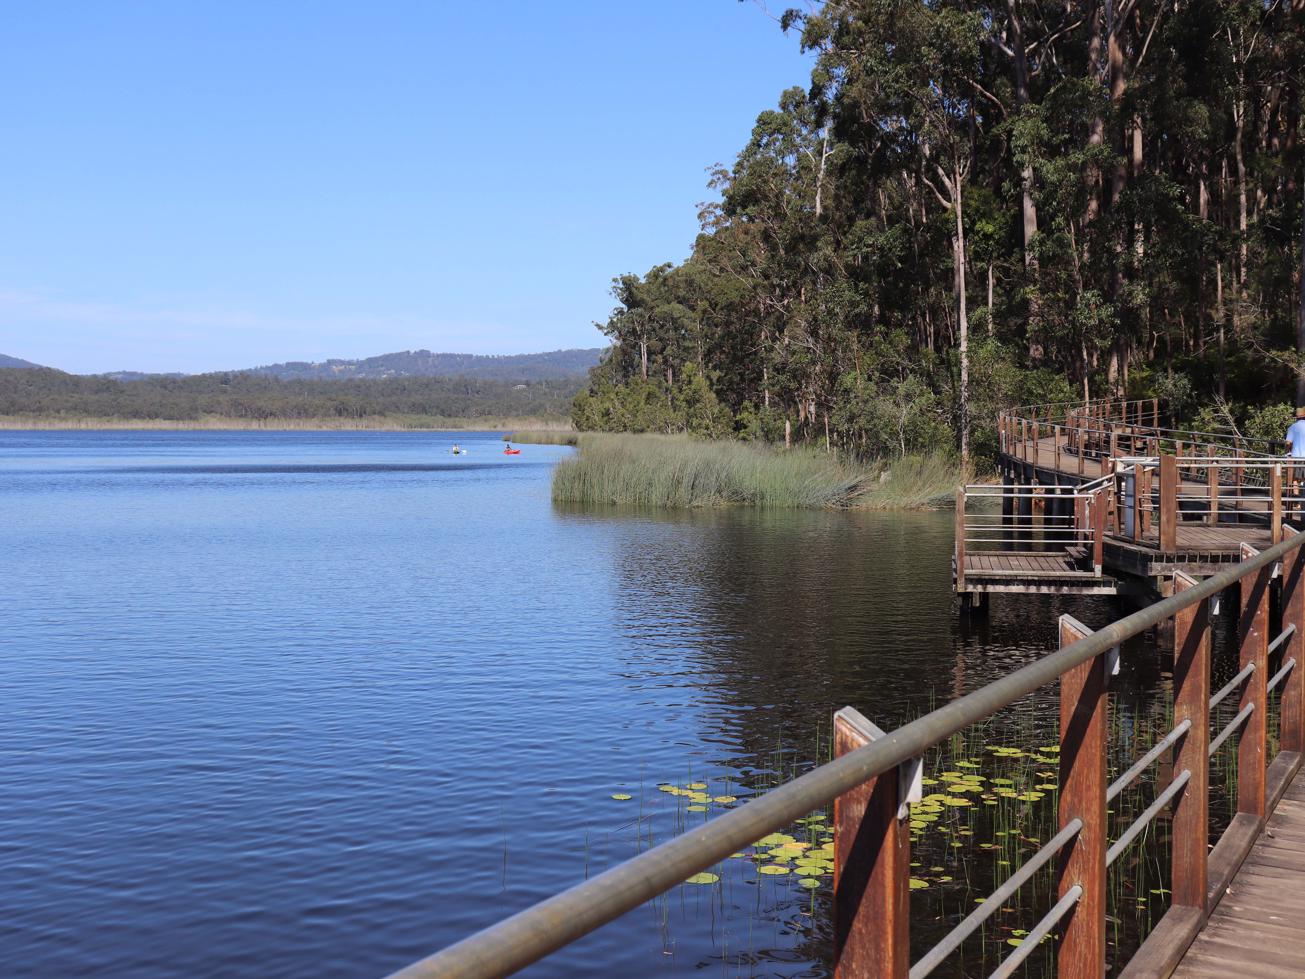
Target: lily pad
(703, 878)
(621, 796)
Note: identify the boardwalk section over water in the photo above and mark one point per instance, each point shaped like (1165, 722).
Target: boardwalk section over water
(1100, 499)
(1258, 928)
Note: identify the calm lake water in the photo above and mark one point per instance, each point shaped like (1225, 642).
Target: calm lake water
(293, 704)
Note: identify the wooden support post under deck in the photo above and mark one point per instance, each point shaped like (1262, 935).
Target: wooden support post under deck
(1168, 503)
(960, 538)
(1191, 813)
(1291, 711)
(1253, 636)
(871, 868)
(1081, 952)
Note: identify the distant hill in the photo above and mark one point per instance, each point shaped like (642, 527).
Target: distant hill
(553, 365)
(15, 362)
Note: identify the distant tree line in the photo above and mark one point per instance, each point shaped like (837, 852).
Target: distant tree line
(983, 202)
(44, 392)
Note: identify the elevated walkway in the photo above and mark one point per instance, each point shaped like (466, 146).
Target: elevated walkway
(1100, 499)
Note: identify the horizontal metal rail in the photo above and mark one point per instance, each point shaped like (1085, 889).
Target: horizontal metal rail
(1232, 685)
(994, 901)
(1242, 716)
(1144, 820)
(1143, 763)
(529, 935)
(1281, 675)
(1038, 932)
(1281, 638)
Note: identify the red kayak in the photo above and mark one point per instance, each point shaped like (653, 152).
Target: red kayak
(512, 452)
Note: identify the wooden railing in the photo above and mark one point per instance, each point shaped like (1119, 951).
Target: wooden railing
(1083, 437)
(873, 784)
(1029, 519)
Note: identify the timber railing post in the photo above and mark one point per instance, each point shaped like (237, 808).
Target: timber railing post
(1099, 503)
(871, 867)
(1168, 503)
(1155, 412)
(1191, 815)
(1253, 636)
(1212, 482)
(1143, 502)
(1275, 503)
(960, 537)
(1291, 710)
(1081, 952)
(1055, 439)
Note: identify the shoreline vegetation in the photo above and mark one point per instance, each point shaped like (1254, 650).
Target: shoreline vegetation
(380, 423)
(685, 472)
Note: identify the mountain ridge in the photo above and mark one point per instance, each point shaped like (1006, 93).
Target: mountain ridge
(549, 365)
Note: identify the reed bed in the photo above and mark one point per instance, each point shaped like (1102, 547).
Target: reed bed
(546, 436)
(677, 471)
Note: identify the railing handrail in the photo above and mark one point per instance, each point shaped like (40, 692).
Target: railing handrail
(533, 933)
(1028, 413)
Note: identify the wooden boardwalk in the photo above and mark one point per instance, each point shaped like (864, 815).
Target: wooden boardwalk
(1100, 503)
(1258, 927)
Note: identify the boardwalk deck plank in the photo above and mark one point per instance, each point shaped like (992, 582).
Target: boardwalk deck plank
(1258, 928)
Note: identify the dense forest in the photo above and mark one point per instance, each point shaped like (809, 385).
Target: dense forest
(53, 394)
(975, 203)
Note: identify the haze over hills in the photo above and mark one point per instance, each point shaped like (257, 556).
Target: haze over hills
(551, 365)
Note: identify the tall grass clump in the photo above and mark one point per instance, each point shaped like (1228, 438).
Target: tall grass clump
(547, 436)
(678, 471)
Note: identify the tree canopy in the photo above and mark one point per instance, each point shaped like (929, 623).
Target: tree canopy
(971, 203)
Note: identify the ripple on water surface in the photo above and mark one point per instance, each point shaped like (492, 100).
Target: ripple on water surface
(282, 704)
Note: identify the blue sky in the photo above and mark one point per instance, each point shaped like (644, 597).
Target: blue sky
(209, 185)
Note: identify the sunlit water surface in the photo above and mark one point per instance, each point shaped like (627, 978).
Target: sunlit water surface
(316, 704)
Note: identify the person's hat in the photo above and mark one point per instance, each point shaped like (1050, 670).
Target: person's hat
(1300, 412)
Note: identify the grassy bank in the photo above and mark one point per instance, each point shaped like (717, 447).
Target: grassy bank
(383, 423)
(659, 470)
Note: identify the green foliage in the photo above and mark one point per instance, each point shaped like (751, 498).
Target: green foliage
(822, 295)
(252, 397)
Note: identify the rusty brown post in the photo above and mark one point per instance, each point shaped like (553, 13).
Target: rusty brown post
(871, 868)
(1168, 503)
(1081, 952)
(1024, 439)
(1141, 501)
(1155, 412)
(960, 538)
(1191, 827)
(1212, 482)
(1253, 636)
(1291, 711)
(1055, 438)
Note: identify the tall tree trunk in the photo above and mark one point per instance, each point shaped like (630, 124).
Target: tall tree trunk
(1097, 130)
(1239, 156)
(1300, 322)
(962, 317)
